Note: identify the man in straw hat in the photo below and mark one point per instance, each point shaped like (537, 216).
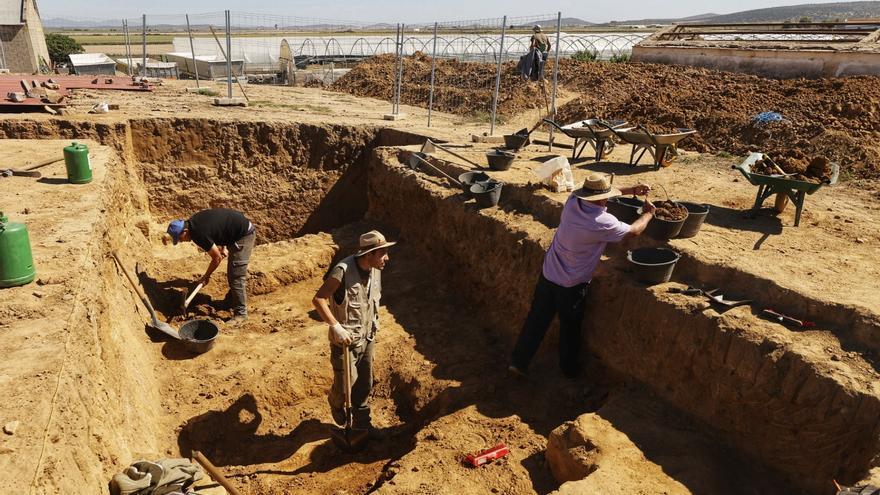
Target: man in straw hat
(584, 230)
(348, 302)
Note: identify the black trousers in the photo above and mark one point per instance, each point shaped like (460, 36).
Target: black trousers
(549, 300)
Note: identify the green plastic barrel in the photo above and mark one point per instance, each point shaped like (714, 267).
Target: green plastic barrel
(76, 159)
(16, 261)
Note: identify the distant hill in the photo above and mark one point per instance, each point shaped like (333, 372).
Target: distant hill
(814, 11)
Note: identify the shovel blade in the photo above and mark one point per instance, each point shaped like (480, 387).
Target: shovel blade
(350, 440)
(429, 147)
(166, 329)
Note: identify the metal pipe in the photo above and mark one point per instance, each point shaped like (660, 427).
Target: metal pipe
(498, 77)
(192, 50)
(433, 69)
(228, 56)
(144, 47)
(127, 46)
(555, 73)
(396, 86)
(400, 69)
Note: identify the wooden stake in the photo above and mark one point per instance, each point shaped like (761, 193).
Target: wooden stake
(214, 472)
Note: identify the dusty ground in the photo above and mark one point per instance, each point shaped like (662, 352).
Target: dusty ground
(256, 404)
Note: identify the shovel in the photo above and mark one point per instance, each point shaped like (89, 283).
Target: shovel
(432, 147)
(156, 323)
(716, 298)
(191, 296)
(419, 158)
(349, 439)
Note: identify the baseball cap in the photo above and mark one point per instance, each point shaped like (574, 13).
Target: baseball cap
(175, 228)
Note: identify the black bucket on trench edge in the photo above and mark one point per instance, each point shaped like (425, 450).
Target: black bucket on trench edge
(653, 265)
(468, 179)
(696, 214)
(624, 208)
(199, 336)
(487, 193)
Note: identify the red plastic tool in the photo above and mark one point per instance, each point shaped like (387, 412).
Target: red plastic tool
(480, 458)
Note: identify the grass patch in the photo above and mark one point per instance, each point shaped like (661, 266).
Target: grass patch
(319, 109)
(207, 92)
(118, 39)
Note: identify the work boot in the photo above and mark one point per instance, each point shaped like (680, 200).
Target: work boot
(377, 434)
(338, 415)
(514, 371)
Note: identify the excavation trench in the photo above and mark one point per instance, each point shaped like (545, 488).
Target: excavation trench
(748, 409)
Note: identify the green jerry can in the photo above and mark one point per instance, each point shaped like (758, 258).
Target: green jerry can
(76, 159)
(16, 261)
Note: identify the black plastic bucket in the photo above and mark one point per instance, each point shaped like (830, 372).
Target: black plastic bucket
(515, 141)
(625, 209)
(663, 230)
(696, 215)
(499, 159)
(199, 336)
(653, 265)
(487, 193)
(468, 179)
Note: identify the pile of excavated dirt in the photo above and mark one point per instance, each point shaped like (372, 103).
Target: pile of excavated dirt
(670, 210)
(463, 88)
(834, 118)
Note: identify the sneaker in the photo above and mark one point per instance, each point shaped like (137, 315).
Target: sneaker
(236, 320)
(516, 372)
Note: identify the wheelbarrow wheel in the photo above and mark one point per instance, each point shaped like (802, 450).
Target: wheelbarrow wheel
(669, 156)
(781, 202)
(608, 148)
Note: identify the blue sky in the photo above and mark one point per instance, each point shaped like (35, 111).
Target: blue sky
(404, 10)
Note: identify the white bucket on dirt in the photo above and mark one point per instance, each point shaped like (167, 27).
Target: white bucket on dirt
(556, 173)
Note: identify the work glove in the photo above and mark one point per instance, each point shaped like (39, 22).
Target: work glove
(339, 335)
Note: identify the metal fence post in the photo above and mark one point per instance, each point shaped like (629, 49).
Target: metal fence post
(144, 46)
(433, 69)
(396, 76)
(498, 77)
(192, 50)
(555, 74)
(228, 55)
(127, 46)
(400, 69)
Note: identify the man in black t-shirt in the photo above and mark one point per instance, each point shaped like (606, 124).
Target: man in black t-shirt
(218, 232)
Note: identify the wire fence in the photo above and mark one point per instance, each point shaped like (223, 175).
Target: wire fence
(462, 66)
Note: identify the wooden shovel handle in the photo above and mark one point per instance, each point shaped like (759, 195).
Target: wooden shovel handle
(214, 472)
(43, 163)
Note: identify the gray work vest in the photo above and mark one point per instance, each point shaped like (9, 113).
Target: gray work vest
(359, 310)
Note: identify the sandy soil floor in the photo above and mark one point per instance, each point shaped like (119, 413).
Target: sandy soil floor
(256, 405)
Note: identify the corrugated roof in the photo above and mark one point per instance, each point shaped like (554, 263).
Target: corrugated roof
(84, 59)
(11, 12)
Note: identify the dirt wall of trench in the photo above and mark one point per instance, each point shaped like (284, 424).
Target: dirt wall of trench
(107, 410)
(761, 394)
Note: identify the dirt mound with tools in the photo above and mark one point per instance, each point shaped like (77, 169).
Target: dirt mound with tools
(462, 88)
(838, 119)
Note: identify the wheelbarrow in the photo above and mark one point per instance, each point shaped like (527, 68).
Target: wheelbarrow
(662, 147)
(781, 184)
(595, 132)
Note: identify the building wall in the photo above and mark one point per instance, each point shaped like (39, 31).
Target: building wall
(17, 49)
(782, 64)
(23, 45)
(34, 25)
